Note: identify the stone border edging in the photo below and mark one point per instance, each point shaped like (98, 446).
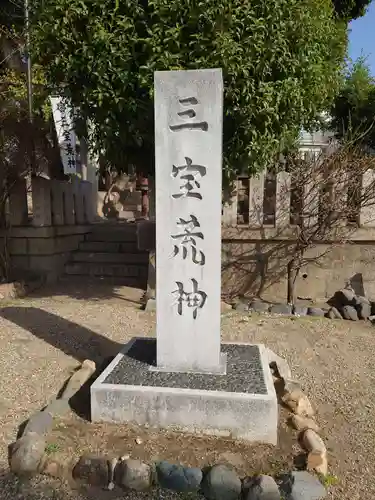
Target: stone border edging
(302, 417)
(28, 454)
(345, 304)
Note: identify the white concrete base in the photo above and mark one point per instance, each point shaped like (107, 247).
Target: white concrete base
(252, 417)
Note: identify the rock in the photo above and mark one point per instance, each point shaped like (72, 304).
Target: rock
(359, 299)
(263, 488)
(225, 307)
(78, 379)
(350, 313)
(27, 453)
(134, 474)
(259, 306)
(276, 363)
(138, 440)
(299, 311)
(241, 306)
(221, 483)
(299, 403)
(285, 309)
(344, 297)
(178, 478)
(334, 313)
(58, 407)
(302, 423)
(40, 423)
(92, 470)
(291, 385)
(317, 462)
(315, 311)
(301, 485)
(53, 468)
(112, 466)
(313, 442)
(150, 305)
(363, 310)
(317, 457)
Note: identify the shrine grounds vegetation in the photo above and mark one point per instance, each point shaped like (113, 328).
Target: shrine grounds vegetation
(354, 108)
(282, 63)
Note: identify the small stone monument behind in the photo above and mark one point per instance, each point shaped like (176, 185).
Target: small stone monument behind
(186, 378)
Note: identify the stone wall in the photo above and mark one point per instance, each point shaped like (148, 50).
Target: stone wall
(255, 264)
(258, 231)
(44, 250)
(44, 232)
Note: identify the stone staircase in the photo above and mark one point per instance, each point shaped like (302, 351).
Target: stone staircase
(110, 253)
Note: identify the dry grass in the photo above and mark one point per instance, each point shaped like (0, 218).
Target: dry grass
(43, 339)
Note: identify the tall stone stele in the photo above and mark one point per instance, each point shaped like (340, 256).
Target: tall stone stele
(188, 153)
(196, 384)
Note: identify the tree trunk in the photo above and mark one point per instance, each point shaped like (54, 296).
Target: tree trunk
(293, 270)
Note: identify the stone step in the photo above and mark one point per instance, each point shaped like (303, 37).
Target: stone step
(95, 269)
(123, 226)
(111, 257)
(112, 235)
(108, 246)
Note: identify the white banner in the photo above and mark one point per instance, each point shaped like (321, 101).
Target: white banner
(66, 136)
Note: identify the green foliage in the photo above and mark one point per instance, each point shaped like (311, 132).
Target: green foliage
(281, 62)
(12, 13)
(52, 448)
(351, 9)
(328, 480)
(14, 90)
(354, 109)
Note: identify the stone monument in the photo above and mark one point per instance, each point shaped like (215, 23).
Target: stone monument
(186, 379)
(188, 136)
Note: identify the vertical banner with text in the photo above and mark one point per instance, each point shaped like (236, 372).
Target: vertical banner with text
(66, 136)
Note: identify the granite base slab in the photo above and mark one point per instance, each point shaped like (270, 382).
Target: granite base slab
(241, 404)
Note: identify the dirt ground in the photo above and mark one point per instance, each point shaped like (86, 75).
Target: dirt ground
(74, 436)
(43, 338)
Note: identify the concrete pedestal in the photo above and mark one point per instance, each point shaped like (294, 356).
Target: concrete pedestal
(241, 404)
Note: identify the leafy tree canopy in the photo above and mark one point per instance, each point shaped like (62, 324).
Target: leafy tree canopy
(281, 60)
(351, 9)
(12, 13)
(354, 108)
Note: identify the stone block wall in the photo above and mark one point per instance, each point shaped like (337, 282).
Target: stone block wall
(44, 250)
(43, 234)
(255, 264)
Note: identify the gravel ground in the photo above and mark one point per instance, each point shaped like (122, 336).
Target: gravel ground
(44, 338)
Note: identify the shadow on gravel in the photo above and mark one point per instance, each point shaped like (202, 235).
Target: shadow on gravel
(72, 339)
(84, 288)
